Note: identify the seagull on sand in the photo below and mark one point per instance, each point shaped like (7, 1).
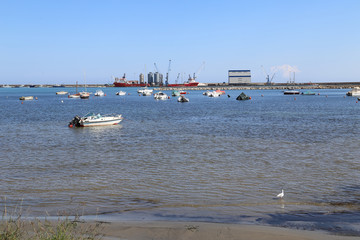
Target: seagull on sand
(281, 195)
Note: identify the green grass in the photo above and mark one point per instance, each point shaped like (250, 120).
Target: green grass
(14, 227)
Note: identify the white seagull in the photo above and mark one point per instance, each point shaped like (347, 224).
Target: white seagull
(281, 195)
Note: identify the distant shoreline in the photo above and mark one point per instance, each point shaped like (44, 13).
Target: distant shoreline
(213, 86)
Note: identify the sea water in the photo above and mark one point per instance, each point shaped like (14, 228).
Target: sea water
(211, 159)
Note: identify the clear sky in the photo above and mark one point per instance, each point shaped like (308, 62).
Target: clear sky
(58, 41)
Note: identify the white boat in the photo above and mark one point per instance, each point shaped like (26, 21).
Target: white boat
(27, 98)
(160, 96)
(182, 99)
(141, 90)
(76, 95)
(291, 92)
(84, 95)
(93, 120)
(147, 92)
(61, 93)
(99, 93)
(121, 93)
(213, 94)
(354, 92)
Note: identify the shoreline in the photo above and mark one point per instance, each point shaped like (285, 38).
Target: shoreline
(134, 230)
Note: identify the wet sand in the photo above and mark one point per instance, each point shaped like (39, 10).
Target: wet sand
(205, 231)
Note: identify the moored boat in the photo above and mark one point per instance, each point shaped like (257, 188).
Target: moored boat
(84, 95)
(99, 93)
(27, 98)
(182, 98)
(354, 92)
(92, 120)
(243, 96)
(175, 93)
(61, 93)
(160, 96)
(308, 93)
(76, 95)
(121, 93)
(291, 92)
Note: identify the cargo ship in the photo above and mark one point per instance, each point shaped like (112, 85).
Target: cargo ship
(121, 82)
(190, 83)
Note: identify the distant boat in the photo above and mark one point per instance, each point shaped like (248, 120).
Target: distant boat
(243, 96)
(84, 95)
(291, 92)
(26, 98)
(121, 93)
(99, 93)
(121, 82)
(307, 93)
(175, 93)
(160, 96)
(77, 94)
(61, 93)
(354, 92)
(182, 99)
(147, 92)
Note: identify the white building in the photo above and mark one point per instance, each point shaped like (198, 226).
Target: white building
(239, 76)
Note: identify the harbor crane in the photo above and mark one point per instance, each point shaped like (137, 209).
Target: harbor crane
(167, 74)
(268, 79)
(198, 71)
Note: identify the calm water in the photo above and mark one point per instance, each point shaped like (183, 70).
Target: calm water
(212, 159)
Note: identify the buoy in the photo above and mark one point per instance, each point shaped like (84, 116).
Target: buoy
(70, 125)
(62, 101)
(294, 98)
(249, 97)
(168, 97)
(356, 101)
(35, 98)
(105, 94)
(22, 102)
(262, 95)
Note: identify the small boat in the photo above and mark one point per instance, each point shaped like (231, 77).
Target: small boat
(175, 93)
(27, 98)
(99, 93)
(182, 98)
(61, 93)
(213, 94)
(121, 93)
(84, 95)
(92, 120)
(291, 92)
(206, 93)
(160, 96)
(147, 92)
(243, 96)
(354, 92)
(76, 95)
(141, 90)
(307, 93)
(220, 92)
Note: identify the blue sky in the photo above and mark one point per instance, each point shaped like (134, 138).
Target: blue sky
(57, 41)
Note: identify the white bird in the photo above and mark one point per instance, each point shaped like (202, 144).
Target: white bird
(281, 195)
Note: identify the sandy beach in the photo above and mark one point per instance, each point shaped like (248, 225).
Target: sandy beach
(204, 231)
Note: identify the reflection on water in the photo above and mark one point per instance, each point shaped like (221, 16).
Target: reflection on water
(209, 158)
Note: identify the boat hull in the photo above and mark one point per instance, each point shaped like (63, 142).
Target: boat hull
(192, 84)
(101, 122)
(118, 84)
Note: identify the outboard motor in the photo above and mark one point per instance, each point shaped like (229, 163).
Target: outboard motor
(75, 122)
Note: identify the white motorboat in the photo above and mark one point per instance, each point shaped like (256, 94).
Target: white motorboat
(99, 93)
(291, 92)
(182, 98)
(121, 93)
(93, 120)
(160, 96)
(27, 98)
(141, 90)
(61, 93)
(147, 92)
(354, 92)
(213, 94)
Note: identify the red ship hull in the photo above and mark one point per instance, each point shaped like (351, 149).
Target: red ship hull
(192, 84)
(118, 84)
